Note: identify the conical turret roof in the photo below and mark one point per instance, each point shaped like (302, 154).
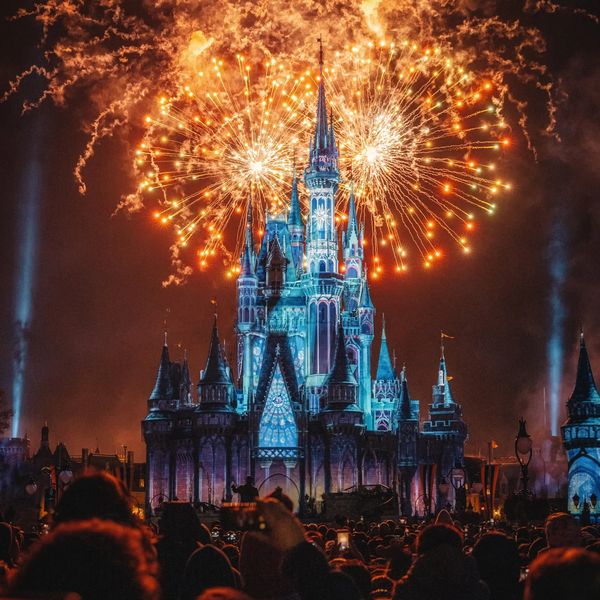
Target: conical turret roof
(365, 296)
(163, 388)
(385, 371)
(585, 387)
(352, 219)
(295, 214)
(216, 368)
(405, 400)
(342, 370)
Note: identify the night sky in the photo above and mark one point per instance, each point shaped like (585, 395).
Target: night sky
(98, 306)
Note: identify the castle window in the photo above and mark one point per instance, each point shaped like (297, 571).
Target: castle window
(277, 424)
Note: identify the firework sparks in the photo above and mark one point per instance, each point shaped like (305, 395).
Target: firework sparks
(419, 137)
(221, 140)
(118, 55)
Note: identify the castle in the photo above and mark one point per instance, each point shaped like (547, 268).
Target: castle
(304, 411)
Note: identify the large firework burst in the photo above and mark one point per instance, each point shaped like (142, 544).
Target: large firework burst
(221, 140)
(419, 137)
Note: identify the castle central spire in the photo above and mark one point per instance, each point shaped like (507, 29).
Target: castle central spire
(323, 150)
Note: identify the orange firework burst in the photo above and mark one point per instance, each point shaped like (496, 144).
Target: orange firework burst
(419, 137)
(221, 140)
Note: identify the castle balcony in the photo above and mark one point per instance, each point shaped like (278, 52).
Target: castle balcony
(285, 454)
(323, 284)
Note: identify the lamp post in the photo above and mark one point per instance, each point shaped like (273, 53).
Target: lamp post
(523, 452)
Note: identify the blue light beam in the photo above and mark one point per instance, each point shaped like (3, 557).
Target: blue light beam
(27, 242)
(557, 267)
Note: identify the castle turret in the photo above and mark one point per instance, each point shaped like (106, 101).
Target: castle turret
(185, 382)
(296, 228)
(366, 315)
(163, 391)
(353, 256)
(386, 388)
(276, 269)
(408, 436)
(581, 435)
(322, 283)
(341, 384)
(215, 388)
(445, 430)
(322, 179)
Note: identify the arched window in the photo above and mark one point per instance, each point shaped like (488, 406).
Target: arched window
(351, 273)
(323, 342)
(313, 336)
(332, 331)
(322, 266)
(277, 424)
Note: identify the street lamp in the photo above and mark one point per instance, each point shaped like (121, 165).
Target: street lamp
(523, 452)
(66, 476)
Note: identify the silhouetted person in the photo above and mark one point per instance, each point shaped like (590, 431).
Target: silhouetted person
(96, 496)
(497, 558)
(207, 567)
(247, 492)
(441, 570)
(223, 594)
(564, 574)
(180, 533)
(95, 559)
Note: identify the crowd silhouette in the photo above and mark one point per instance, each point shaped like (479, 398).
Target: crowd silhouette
(97, 549)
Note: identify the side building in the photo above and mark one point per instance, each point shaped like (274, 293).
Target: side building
(581, 441)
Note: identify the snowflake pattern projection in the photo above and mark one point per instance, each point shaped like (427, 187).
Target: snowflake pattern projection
(277, 424)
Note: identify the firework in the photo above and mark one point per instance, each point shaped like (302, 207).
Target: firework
(221, 141)
(117, 55)
(419, 138)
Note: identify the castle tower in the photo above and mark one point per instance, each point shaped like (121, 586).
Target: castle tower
(386, 388)
(185, 383)
(581, 436)
(163, 392)
(353, 256)
(322, 283)
(366, 316)
(342, 420)
(408, 435)
(322, 178)
(276, 269)
(445, 431)
(215, 388)
(296, 228)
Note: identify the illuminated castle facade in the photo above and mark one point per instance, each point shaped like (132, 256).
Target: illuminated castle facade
(304, 411)
(581, 440)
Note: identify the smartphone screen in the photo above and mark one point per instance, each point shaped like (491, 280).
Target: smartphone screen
(241, 517)
(343, 539)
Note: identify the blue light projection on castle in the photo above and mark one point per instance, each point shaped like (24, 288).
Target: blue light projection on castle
(581, 440)
(303, 410)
